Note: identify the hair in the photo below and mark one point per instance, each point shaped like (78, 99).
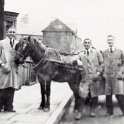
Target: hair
(87, 39)
(110, 36)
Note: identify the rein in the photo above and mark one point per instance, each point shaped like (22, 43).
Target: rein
(39, 63)
(19, 53)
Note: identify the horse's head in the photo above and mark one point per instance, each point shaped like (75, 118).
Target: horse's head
(29, 46)
(22, 50)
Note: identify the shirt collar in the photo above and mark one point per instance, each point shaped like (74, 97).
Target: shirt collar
(90, 49)
(113, 49)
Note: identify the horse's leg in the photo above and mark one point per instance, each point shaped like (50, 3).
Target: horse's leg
(42, 90)
(48, 92)
(78, 100)
(42, 104)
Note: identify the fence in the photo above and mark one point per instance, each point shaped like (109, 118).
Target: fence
(27, 74)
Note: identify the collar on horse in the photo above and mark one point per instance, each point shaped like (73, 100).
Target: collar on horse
(40, 63)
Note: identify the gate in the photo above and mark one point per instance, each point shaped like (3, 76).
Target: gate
(27, 76)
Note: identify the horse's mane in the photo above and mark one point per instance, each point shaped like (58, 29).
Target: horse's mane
(20, 43)
(50, 53)
(40, 49)
(37, 45)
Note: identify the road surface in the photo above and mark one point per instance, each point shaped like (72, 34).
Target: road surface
(101, 117)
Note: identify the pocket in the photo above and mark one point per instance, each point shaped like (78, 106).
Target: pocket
(5, 69)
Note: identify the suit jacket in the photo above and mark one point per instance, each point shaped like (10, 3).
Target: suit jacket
(93, 64)
(93, 61)
(112, 65)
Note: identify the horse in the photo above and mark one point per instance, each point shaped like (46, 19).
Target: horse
(48, 71)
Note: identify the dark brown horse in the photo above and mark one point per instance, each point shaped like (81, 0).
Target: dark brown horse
(49, 70)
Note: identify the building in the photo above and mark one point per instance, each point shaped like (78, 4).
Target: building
(59, 36)
(10, 20)
(38, 37)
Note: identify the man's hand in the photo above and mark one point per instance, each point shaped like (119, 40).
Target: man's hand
(98, 73)
(5, 68)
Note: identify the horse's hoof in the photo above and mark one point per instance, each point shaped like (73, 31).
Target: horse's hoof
(46, 109)
(40, 108)
(75, 110)
(77, 115)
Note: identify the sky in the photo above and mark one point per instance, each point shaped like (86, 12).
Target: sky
(89, 18)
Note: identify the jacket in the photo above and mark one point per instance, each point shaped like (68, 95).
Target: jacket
(113, 62)
(93, 65)
(8, 75)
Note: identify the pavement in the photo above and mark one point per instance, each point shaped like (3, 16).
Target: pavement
(26, 103)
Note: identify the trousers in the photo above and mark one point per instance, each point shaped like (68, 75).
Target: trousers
(6, 99)
(91, 101)
(109, 103)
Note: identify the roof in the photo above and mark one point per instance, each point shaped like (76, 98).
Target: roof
(58, 26)
(8, 13)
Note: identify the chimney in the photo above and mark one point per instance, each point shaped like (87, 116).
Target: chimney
(1, 19)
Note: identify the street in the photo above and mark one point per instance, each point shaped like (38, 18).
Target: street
(101, 117)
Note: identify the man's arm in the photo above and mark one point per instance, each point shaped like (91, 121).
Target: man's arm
(2, 56)
(101, 62)
(122, 58)
(100, 58)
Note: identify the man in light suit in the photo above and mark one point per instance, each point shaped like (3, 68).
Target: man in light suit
(8, 77)
(113, 61)
(92, 61)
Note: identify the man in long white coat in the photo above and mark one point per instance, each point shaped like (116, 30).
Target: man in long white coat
(8, 76)
(92, 61)
(113, 61)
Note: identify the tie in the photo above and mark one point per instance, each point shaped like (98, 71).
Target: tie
(111, 50)
(11, 42)
(87, 52)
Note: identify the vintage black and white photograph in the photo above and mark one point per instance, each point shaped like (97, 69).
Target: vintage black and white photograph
(61, 62)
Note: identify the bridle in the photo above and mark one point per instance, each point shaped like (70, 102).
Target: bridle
(41, 61)
(19, 53)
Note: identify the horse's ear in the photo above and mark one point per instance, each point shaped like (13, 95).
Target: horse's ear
(16, 46)
(29, 38)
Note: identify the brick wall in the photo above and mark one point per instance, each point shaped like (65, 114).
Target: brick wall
(59, 40)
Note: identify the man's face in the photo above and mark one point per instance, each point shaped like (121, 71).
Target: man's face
(11, 33)
(110, 41)
(87, 43)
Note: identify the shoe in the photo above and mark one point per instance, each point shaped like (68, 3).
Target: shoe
(109, 114)
(9, 110)
(1, 109)
(92, 114)
(77, 115)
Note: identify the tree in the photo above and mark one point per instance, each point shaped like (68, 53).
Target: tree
(1, 19)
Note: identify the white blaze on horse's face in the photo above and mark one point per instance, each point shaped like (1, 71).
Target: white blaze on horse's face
(24, 45)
